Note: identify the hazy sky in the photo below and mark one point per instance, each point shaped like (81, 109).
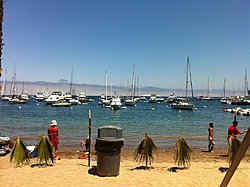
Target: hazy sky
(46, 38)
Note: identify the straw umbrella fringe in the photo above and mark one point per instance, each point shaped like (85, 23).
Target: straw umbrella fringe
(182, 153)
(45, 151)
(20, 153)
(234, 145)
(145, 151)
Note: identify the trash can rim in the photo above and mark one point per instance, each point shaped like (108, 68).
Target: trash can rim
(110, 139)
(109, 126)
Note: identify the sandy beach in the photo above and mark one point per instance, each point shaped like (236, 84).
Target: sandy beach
(72, 171)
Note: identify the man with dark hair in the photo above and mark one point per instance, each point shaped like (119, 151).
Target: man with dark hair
(233, 130)
(211, 141)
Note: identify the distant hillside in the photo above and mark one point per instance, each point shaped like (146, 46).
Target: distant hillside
(95, 90)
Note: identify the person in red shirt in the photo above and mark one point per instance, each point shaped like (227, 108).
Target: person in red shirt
(53, 137)
(234, 130)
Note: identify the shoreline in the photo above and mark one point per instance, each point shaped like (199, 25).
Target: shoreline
(197, 155)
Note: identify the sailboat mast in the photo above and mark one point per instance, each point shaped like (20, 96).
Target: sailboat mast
(246, 84)
(70, 86)
(208, 87)
(106, 80)
(12, 88)
(1, 34)
(187, 76)
(133, 82)
(4, 84)
(224, 88)
(191, 82)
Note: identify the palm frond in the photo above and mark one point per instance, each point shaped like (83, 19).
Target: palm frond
(182, 153)
(145, 151)
(234, 145)
(45, 151)
(19, 153)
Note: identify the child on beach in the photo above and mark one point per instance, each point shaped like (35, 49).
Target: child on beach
(211, 141)
(87, 142)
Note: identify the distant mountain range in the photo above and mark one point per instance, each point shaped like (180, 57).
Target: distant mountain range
(95, 90)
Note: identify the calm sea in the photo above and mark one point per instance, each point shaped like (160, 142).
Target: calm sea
(163, 124)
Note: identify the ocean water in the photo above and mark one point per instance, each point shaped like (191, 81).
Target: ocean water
(163, 124)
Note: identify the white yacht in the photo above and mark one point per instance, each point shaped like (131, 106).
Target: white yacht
(54, 97)
(82, 97)
(116, 103)
(130, 102)
(39, 96)
(152, 98)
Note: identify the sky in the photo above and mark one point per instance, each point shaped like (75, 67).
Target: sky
(46, 39)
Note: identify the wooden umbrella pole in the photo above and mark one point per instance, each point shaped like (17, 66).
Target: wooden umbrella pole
(237, 159)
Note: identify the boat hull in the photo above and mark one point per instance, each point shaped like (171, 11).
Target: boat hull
(185, 106)
(61, 105)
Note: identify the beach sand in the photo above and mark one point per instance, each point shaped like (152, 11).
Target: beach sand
(71, 171)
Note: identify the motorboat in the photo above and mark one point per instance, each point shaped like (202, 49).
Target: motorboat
(39, 96)
(170, 98)
(16, 100)
(74, 101)
(152, 98)
(5, 98)
(105, 102)
(181, 104)
(159, 99)
(61, 104)
(116, 103)
(130, 102)
(82, 97)
(54, 97)
(67, 96)
(24, 97)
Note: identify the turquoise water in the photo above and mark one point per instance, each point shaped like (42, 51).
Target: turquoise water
(163, 124)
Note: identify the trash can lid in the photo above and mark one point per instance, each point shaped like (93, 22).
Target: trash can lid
(110, 132)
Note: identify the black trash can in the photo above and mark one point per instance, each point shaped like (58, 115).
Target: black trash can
(108, 145)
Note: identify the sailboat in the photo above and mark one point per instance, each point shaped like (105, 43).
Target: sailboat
(245, 99)
(185, 103)
(4, 97)
(24, 96)
(208, 97)
(13, 98)
(223, 98)
(104, 98)
(130, 101)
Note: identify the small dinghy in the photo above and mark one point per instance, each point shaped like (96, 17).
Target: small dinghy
(4, 140)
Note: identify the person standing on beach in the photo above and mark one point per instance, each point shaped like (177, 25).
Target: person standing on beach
(87, 143)
(53, 137)
(211, 141)
(234, 130)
